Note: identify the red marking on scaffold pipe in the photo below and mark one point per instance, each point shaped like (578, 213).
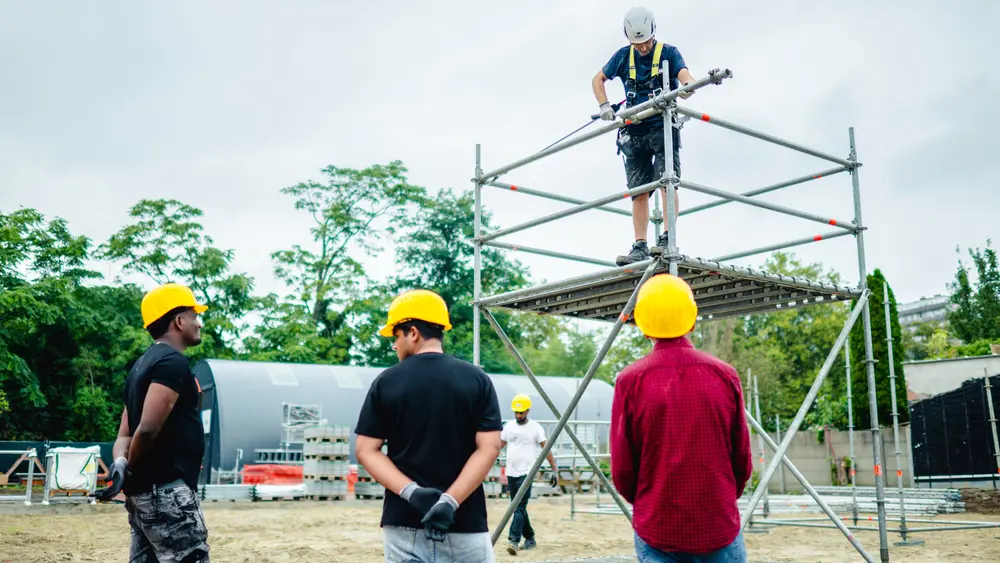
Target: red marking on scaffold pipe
(817, 177)
(899, 473)
(833, 221)
(818, 237)
(628, 122)
(853, 472)
(705, 117)
(513, 188)
(878, 470)
(623, 317)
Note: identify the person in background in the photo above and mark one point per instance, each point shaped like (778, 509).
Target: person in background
(524, 440)
(680, 446)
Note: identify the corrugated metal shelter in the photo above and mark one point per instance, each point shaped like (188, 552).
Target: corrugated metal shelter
(242, 404)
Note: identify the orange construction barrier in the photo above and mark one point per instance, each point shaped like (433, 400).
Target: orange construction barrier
(272, 474)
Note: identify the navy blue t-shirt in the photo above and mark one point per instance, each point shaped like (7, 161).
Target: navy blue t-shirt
(671, 63)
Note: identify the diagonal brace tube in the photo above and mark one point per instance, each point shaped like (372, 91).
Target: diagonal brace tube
(554, 197)
(767, 189)
(765, 205)
(626, 312)
(762, 136)
(572, 211)
(765, 479)
(809, 488)
(551, 253)
(555, 411)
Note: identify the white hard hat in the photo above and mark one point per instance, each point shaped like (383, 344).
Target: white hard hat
(640, 25)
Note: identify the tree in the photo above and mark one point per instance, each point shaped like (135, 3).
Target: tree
(976, 318)
(351, 212)
(436, 254)
(166, 243)
(880, 351)
(64, 347)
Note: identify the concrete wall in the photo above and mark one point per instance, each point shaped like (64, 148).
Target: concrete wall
(814, 459)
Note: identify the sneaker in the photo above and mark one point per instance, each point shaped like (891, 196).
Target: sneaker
(530, 544)
(638, 253)
(662, 242)
(512, 548)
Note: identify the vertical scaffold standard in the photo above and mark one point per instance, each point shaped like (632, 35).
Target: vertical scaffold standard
(721, 290)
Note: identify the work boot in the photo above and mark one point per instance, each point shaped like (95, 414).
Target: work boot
(530, 544)
(661, 244)
(638, 253)
(512, 548)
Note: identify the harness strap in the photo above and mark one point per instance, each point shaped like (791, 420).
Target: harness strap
(657, 51)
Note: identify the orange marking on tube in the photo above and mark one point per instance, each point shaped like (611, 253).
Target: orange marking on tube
(833, 221)
(623, 317)
(818, 237)
(878, 470)
(817, 177)
(853, 473)
(628, 122)
(705, 117)
(513, 188)
(899, 473)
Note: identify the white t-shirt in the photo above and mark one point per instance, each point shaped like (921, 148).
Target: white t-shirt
(524, 443)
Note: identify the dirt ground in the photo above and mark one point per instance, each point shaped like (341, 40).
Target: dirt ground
(303, 531)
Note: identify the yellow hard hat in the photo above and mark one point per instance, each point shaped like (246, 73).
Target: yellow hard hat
(520, 403)
(418, 304)
(161, 300)
(665, 307)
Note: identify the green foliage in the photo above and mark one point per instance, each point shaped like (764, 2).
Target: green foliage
(166, 244)
(977, 314)
(880, 351)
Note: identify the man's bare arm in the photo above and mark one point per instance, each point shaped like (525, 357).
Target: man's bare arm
(598, 85)
(382, 469)
(550, 457)
(124, 439)
(477, 467)
(160, 400)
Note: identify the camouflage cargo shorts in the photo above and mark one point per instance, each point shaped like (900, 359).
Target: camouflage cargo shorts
(168, 526)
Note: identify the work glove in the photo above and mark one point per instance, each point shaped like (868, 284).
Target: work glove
(554, 481)
(117, 474)
(685, 95)
(440, 517)
(607, 112)
(420, 498)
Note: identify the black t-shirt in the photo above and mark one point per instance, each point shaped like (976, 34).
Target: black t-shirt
(429, 408)
(179, 447)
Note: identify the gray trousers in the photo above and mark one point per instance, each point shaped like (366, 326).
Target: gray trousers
(409, 545)
(167, 526)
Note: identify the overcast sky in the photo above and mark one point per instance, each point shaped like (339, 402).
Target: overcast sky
(221, 104)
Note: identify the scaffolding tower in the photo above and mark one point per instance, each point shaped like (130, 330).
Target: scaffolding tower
(721, 290)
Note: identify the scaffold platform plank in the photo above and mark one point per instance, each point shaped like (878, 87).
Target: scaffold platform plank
(721, 290)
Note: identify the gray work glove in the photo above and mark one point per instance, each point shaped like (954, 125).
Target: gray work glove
(420, 498)
(440, 518)
(117, 474)
(686, 95)
(607, 112)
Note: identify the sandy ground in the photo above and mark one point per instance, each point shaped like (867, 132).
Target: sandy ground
(303, 531)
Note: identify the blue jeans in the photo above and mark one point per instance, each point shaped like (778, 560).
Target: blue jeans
(410, 545)
(735, 552)
(520, 525)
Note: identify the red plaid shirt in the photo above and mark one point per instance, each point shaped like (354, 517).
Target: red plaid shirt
(680, 447)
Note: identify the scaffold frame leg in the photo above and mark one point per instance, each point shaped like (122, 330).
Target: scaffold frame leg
(800, 416)
(555, 411)
(605, 348)
(807, 486)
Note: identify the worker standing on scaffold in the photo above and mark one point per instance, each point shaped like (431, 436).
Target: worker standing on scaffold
(641, 66)
(441, 418)
(524, 440)
(680, 447)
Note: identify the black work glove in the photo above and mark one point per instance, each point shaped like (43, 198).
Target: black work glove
(554, 481)
(117, 473)
(440, 518)
(420, 498)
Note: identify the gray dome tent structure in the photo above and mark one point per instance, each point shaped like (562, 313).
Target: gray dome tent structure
(242, 406)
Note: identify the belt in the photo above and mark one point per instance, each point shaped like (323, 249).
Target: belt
(167, 486)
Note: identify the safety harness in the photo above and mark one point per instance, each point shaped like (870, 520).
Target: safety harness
(655, 82)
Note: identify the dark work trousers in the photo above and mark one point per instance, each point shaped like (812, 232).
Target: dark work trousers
(519, 523)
